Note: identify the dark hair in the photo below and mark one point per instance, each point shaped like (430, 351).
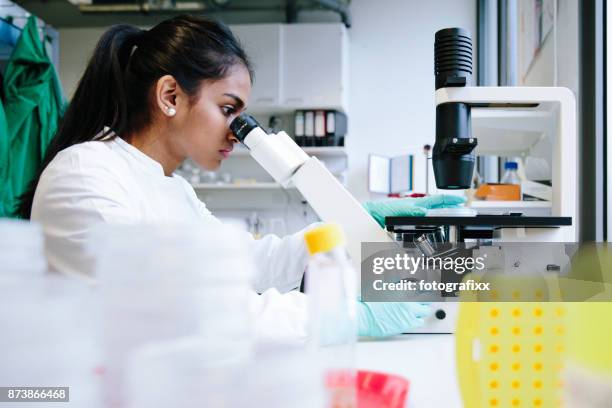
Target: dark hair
(112, 97)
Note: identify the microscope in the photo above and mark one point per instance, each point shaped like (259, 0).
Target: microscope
(510, 116)
(289, 165)
(509, 121)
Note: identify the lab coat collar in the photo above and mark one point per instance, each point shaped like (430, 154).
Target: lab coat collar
(150, 164)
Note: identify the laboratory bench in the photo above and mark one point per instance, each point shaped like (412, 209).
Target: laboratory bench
(426, 360)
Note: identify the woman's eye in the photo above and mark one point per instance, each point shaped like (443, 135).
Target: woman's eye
(228, 110)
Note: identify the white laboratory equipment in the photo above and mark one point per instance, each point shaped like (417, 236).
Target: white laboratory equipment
(502, 121)
(161, 283)
(189, 372)
(45, 322)
(510, 121)
(21, 250)
(283, 375)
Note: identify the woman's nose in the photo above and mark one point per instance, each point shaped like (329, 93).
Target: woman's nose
(232, 138)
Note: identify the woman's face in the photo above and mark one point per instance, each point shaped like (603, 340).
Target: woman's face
(202, 130)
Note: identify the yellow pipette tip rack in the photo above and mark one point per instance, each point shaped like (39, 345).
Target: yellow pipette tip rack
(510, 354)
(519, 346)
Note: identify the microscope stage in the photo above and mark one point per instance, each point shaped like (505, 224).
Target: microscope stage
(495, 221)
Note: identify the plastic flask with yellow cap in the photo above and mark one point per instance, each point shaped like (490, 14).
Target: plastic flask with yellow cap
(330, 285)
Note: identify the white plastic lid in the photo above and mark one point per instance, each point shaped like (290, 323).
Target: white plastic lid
(452, 212)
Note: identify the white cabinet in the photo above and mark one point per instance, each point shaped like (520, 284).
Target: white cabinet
(297, 66)
(315, 58)
(263, 45)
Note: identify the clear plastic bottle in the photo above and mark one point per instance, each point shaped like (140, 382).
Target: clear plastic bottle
(330, 285)
(510, 174)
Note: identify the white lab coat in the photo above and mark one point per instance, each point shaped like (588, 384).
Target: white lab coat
(114, 182)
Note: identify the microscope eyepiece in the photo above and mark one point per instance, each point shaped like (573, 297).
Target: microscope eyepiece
(242, 126)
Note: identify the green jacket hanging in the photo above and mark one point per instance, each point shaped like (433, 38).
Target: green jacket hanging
(34, 104)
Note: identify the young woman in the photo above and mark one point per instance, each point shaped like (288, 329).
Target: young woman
(149, 100)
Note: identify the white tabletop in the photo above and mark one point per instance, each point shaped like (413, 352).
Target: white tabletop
(426, 360)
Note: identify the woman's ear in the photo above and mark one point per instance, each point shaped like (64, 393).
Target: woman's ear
(166, 94)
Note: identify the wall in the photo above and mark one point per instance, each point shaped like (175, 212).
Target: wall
(546, 71)
(77, 45)
(564, 69)
(542, 71)
(392, 107)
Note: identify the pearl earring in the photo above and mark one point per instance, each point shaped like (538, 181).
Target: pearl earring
(170, 111)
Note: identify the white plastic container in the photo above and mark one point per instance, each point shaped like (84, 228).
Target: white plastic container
(188, 372)
(159, 284)
(21, 250)
(283, 375)
(47, 338)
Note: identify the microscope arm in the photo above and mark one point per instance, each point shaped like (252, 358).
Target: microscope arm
(559, 105)
(289, 165)
(333, 203)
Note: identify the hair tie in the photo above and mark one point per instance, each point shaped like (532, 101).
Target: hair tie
(138, 37)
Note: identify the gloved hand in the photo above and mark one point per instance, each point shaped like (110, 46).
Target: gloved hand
(410, 207)
(382, 319)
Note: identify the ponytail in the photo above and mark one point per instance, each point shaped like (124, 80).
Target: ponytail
(112, 97)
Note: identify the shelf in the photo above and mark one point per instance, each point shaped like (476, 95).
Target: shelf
(232, 186)
(262, 185)
(510, 204)
(509, 132)
(241, 197)
(288, 108)
(330, 151)
(326, 151)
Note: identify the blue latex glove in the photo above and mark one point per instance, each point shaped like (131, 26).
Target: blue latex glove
(410, 207)
(382, 319)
